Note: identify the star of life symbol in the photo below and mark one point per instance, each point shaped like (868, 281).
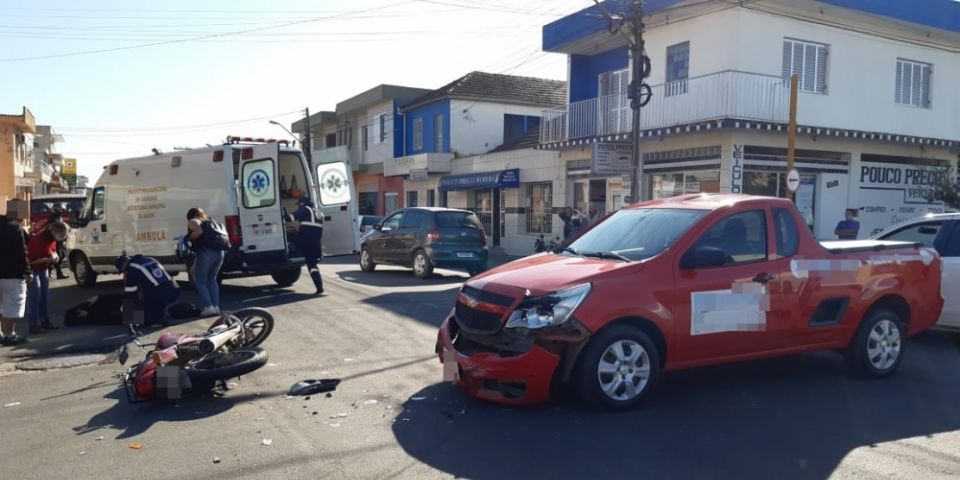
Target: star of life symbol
(258, 182)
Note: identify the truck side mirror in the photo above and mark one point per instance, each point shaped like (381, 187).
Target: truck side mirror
(378, 227)
(703, 257)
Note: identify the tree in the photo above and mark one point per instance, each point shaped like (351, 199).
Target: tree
(946, 188)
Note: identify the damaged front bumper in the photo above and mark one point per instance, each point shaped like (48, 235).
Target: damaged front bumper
(507, 367)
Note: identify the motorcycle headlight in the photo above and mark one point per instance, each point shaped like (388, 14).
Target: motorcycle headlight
(548, 310)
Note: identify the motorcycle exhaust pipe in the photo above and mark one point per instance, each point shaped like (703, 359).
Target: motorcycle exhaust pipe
(214, 342)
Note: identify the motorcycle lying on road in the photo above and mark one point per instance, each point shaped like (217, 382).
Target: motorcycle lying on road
(181, 363)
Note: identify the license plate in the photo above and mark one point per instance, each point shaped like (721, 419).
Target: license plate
(464, 254)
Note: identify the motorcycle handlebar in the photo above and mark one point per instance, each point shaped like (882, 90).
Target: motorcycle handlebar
(214, 342)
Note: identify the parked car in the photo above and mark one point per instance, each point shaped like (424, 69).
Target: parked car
(426, 238)
(943, 233)
(42, 208)
(367, 222)
(684, 282)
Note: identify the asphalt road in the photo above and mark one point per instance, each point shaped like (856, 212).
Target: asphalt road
(392, 417)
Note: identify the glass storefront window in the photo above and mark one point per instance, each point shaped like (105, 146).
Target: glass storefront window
(665, 185)
(537, 200)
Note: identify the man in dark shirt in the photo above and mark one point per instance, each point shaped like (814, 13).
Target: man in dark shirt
(15, 274)
(144, 278)
(849, 228)
(309, 238)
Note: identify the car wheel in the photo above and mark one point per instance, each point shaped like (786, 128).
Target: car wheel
(366, 260)
(618, 368)
(877, 349)
(422, 266)
(287, 277)
(83, 272)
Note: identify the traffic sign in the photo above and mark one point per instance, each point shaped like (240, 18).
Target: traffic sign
(793, 180)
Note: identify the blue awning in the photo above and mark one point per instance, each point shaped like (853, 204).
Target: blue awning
(470, 181)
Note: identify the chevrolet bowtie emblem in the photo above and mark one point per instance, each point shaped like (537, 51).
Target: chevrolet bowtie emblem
(471, 302)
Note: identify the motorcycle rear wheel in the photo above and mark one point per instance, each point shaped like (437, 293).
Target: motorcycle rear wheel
(225, 365)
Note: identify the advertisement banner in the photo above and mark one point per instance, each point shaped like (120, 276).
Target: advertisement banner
(893, 193)
(70, 171)
(611, 159)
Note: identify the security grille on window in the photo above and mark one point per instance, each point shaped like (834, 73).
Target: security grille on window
(538, 198)
(808, 61)
(913, 83)
(678, 69)
(418, 134)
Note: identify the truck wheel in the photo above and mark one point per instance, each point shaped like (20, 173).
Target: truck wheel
(287, 277)
(366, 260)
(83, 272)
(422, 266)
(618, 368)
(877, 349)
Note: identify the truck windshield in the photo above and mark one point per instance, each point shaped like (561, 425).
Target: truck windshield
(636, 234)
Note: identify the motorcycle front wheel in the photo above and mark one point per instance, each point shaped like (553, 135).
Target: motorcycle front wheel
(225, 365)
(257, 325)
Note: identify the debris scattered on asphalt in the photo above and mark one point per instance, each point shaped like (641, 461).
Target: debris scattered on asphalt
(100, 438)
(232, 385)
(267, 442)
(136, 446)
(347, 359)
(371, 402)
(417, 399)
(334, 424)
(339, 415)
(329, 395)
(271, 364)
(308, 397)
(312, 386)
(313, 413)
(11, 404)
(216, 459)
(83, 453)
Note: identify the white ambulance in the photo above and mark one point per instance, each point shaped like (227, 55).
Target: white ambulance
(139, 205)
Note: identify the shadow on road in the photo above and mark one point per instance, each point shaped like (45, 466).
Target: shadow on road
(792, 417)
(395, 277)
(134, 419)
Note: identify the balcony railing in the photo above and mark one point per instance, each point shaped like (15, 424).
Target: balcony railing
(729, 94)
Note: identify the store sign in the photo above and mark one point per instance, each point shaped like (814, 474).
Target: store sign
(70, 171)
(736, 173)
(418, 175)
(470, 181)
(611, 159)
(892, 193)
(916, 183)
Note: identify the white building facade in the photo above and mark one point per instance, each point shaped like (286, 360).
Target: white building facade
(878, 114)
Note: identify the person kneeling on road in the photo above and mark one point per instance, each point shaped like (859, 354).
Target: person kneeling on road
(309, 238)
(145, 279)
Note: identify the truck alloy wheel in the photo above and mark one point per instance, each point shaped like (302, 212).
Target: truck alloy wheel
(877, 348)
(618, 367)
(422, 266)
(366, 261)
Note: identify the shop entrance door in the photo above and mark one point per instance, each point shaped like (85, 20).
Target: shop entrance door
(597, 208)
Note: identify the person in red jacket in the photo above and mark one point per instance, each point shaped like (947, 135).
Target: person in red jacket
(42, 253)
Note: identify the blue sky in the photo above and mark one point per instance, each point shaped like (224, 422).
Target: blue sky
(183, 92)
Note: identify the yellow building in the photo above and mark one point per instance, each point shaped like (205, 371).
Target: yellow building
(16, 155)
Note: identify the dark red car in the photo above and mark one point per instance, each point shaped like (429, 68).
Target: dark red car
(684, 282)
(42, 208)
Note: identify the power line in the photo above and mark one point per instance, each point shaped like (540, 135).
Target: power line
(202, 37)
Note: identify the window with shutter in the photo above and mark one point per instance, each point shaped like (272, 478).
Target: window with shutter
(808, 61)
(376, 129)
(913, 83)
(418, 134)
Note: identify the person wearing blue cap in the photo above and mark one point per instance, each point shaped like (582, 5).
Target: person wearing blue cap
(145, 279)
(309, 237)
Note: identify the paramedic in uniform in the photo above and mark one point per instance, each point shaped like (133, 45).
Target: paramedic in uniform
(145, 278)
(309, 228)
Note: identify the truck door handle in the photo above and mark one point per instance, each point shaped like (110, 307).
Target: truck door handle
(764, 277)
(103, 227)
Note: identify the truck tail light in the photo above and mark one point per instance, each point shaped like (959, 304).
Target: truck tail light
(234, 231)
(246, 153)
(434, 235)
(218, 156)
(113, 169)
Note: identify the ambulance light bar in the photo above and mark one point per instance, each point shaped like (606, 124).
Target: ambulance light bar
(233, 140)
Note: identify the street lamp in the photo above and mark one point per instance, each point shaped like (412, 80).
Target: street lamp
(274, 122)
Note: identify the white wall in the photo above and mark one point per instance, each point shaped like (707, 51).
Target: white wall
(861, 77)
(477, 127)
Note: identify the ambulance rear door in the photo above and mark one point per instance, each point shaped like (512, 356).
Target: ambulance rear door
(341, 234)
(261, 217)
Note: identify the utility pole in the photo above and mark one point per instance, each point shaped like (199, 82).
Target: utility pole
(792, 128)
(639, 92)
(307, 143)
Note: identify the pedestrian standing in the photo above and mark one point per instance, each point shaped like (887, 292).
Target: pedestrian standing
(849, 228)
(15, 274)
(42, 251)
(207, 239)
(57, 217)
(565, 215)
(309, 238)
(144, 279)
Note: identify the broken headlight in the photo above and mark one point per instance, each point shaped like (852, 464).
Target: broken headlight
(548, 310)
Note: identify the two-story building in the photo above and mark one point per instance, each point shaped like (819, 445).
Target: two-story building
(47, 161)
(877, 108)
(470, 144)
(16, 155)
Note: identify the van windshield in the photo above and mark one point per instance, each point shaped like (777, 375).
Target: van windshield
(636, 234)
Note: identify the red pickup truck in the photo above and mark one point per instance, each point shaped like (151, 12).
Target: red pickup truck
(684, 282)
